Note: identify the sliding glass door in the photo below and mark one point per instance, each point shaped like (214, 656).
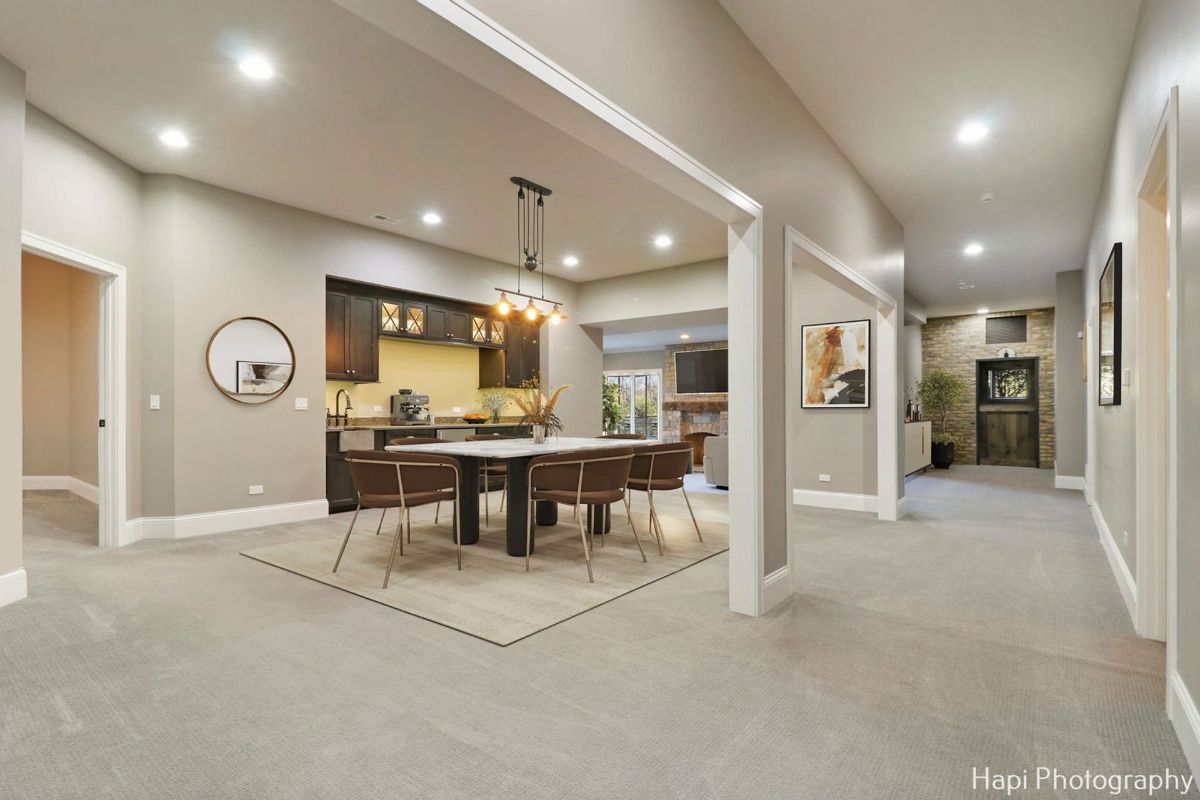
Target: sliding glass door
(635, 405)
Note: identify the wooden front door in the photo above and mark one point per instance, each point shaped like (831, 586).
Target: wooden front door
(1006, 412)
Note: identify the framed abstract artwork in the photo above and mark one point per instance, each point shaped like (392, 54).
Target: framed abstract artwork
(836, 364)
(1108, 349)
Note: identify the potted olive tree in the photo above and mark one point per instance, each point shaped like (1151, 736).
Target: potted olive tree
(939, 391)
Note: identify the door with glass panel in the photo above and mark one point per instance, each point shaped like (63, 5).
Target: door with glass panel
(1006, 412)
(637, 402)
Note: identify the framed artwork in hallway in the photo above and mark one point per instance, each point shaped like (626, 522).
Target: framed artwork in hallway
(1108, 367)
(836, 364)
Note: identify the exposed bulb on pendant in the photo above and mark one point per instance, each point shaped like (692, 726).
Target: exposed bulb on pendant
(556, 316)
(531, 312)
(503, 307)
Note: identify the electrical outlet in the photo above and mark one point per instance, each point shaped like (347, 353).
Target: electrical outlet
(302, 404)
(823, 477)
(1126, 376)
(256, 490)
(155, 402)
(378, 408)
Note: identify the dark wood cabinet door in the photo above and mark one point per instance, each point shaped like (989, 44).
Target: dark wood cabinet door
(337, 366)
(531, 354)
(458, 326)
(362, 340)
(435, 324)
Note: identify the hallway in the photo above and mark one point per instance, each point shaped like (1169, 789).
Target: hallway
(984, 630)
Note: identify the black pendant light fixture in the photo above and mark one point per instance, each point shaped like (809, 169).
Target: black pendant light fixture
(531, 249)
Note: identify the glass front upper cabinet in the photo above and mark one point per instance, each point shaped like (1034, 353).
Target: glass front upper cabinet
(389, 317)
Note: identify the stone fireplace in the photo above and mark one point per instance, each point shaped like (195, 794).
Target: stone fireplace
(692, 417)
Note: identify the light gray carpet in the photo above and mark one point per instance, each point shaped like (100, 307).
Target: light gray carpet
(986, 630)
(492, 596)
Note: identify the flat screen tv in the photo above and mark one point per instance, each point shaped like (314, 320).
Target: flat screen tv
(701, 371)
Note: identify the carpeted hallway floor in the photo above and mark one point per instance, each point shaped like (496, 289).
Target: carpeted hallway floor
(983, 631)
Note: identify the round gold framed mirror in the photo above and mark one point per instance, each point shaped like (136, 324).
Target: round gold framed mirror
(250, 360)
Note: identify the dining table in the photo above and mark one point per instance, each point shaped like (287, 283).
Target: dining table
(517, 453)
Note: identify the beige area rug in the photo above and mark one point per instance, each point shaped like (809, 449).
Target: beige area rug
(493, 597)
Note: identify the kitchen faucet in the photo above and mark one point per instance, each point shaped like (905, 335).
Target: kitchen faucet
(337, 408)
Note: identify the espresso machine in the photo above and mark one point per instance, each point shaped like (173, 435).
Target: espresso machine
(409, 408)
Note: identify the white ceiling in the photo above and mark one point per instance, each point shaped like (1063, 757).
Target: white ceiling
(356, 123)
(892, 82)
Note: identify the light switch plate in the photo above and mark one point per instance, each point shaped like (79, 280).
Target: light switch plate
(379, 408)
(155, 402)
(823, 477)
(1127, 376)
(302, 404)
(256, 490)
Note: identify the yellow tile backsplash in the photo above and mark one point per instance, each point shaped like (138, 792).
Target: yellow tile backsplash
(449, 375)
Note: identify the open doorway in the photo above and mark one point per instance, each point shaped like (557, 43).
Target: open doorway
(60, 383)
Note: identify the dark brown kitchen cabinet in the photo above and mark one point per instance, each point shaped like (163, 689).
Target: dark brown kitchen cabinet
(519, 361)
(448, 325)
(351, 338)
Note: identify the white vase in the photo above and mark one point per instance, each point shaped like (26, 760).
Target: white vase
(539, 434)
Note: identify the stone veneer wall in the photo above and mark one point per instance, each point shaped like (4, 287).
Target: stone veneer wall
(676, 423)
(954, 343)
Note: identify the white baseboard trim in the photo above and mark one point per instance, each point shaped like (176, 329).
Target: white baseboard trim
(902, 507)
(235, 519)
(1070, 482)
(14, 586)
(1182, 711)
(43, 483)
(845, 501)
(1115, 560)
(777, 587)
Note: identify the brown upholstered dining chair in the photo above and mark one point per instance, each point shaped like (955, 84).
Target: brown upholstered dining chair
(660, 468)
(488, 470)
(595, 477)
(437, 512)
(637, 436)
(384, 479)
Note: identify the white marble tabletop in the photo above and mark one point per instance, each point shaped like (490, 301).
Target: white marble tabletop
(519, 448)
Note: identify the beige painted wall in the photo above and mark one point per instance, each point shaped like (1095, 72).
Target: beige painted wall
(59, 369)
(643, 359)
(12, 136)
(714, 95)
(1164, 54)
(1070, 389)
(839, 442)
(656, 294)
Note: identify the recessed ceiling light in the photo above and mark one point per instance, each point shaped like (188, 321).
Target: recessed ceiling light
(981, 311)
(174, 139)
(973, 249)
(963, 286)
(570, 261)
(987, 197)
(662, 241)
(972, 132)
(685, 336)
(431, 218)
(256, 67)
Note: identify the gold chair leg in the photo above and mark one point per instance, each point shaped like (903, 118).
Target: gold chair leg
(382, 514)
(408, 525)
(346, 541)
(587, 556)
(458, 531)
(655, 528)
(437, 512)
(487, 494)
(637, 538)
(693, 513)
(397, 542)
(628, 510)
(528, 532)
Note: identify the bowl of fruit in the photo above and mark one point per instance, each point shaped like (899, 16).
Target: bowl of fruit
(475, 417)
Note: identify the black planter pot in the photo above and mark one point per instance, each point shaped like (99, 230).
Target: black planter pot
(942, 455)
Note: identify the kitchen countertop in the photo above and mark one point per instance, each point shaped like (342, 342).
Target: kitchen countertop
(422, 426)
